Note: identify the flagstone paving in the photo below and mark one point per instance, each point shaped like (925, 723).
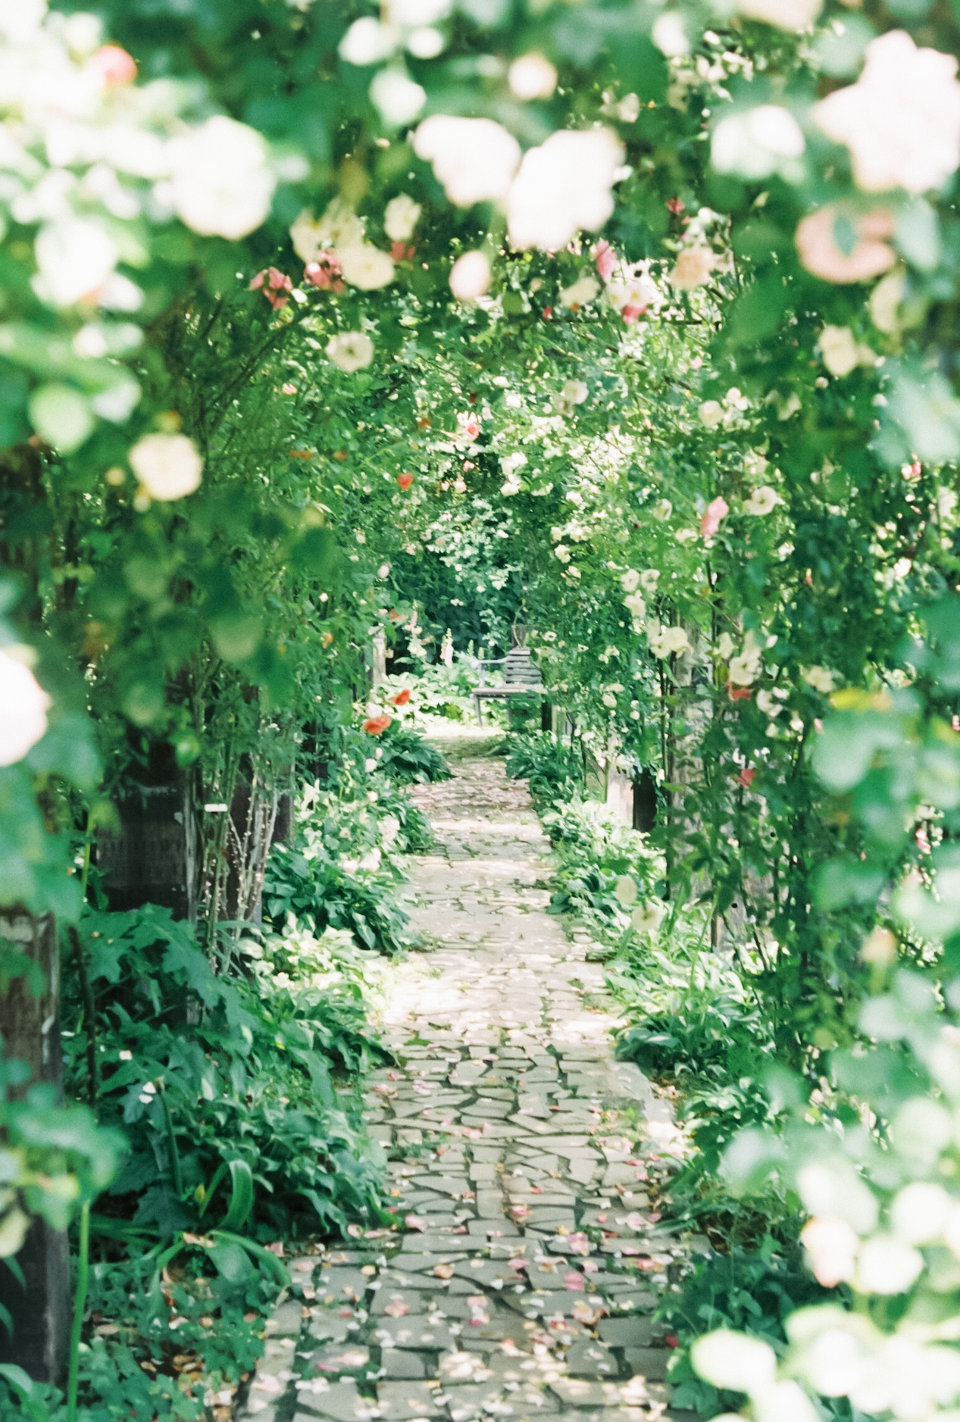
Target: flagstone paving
(523, 1277)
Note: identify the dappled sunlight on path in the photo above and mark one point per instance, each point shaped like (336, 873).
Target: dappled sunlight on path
(527, 1265)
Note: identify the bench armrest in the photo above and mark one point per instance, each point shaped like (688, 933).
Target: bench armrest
(483, 662)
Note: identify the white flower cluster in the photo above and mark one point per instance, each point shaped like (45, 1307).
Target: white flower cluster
(341, 234)
(86, 153)
(632, 288)
(23, 709)
(550, 193)
(667, 641)
(901, 119)
(510, 465)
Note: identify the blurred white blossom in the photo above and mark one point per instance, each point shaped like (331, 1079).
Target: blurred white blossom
(470, 276)
(23, 709)
(474, 159)
(785, 14)
(763, 500)
(400, 217)
(564, 186)
(350, 350)
(838, 350)
(581, 292)
(75, 257)
(901, 119)
(168, 466)
(366, 267)
(221, 183)
(532, 76)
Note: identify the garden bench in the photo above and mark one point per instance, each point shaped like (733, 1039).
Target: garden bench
(521, 677)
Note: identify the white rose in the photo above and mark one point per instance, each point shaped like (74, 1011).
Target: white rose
(649, 916)
(785, 14)
(636, 606)
(470, 276)
(222, 186)
(838, 349)
(662, 510)
(633, 286)
(400, 217)
(532, 76)
(767, 703)
(886, 298)
(23, 709)
(340, 226)
(711, 413)
(757, 142)
(563, 187)
(669, 641)
(649, 579)
(510, 463)
(74, 258)
(725, 645)
(581, 293)
(167, 465)
(350, 350)
(366, 267)
(820, 678)
(746, 667)
(305, 237)
(630, 580)
(562, 553)
(367, 42)
(762, 501)
(474, 159)
(574, 392)
(901, 119)
(397, 97)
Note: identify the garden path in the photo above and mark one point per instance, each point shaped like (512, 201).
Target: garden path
(526, 1268)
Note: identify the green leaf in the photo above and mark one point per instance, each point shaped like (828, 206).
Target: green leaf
(231, 1260)
(918, 235)
(62, 416)
(922, 404)
(845, 881)
(757, 312)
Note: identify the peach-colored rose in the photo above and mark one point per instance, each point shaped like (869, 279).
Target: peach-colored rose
(822, 254)
(692, 268)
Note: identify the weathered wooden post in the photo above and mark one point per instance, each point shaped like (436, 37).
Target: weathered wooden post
(30, 1033)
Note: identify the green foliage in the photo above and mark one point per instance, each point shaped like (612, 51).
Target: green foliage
(555, 771)
(751, 1289)
(221, 1087)
(304, 884)
(717, 490)
(53, 1158)
(603, 868)
(407, 759)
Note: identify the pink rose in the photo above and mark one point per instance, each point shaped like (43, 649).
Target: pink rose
(717, 510)
(606, 260)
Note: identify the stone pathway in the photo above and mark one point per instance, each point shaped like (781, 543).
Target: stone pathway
(527, 1264)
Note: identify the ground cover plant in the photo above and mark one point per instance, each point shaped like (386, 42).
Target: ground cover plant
(335, 329)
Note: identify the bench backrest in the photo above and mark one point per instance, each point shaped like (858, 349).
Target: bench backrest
(519, 669)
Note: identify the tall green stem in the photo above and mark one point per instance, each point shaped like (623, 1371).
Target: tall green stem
(79, 1305)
